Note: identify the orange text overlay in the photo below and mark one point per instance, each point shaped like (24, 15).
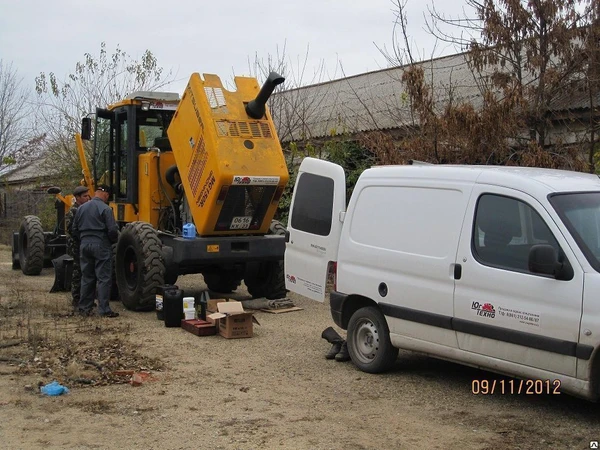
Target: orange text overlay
(515, 387)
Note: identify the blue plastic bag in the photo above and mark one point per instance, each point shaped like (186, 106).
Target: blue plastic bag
(54, 388)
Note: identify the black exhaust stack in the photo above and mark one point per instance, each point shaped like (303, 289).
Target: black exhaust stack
(256, 108)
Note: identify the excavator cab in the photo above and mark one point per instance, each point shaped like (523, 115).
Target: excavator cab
(124, 132)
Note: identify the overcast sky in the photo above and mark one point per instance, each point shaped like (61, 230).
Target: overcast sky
(207, 36)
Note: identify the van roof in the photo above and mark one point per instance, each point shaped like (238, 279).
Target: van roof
(530, 179)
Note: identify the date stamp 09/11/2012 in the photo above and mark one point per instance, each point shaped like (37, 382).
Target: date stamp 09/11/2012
(515, 387)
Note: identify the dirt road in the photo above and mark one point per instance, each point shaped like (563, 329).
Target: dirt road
(273, 391)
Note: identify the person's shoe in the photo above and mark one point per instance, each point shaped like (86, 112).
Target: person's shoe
(334, 350)
(111, 314)
(85, 312)
(343, 354)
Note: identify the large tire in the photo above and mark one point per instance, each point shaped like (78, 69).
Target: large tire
(114, 288)
(224, 281)
(139, 267)
(267, 279)
(369, 342)
(16, 265)
(31, 245)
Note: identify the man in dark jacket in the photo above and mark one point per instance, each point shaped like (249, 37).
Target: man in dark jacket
(95, 226)
(82, 195)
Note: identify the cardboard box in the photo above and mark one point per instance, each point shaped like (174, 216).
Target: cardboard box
(211, 304)
(234, 322)
(199, 327)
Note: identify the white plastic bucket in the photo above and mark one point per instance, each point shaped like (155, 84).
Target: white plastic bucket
(189, 313)
(189, 303)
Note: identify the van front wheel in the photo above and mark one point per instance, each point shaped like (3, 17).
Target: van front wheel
(369, 342)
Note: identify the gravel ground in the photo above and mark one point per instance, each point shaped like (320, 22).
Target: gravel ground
(273, 391)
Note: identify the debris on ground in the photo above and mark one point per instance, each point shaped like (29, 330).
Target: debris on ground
(54, 388)
(264, 303)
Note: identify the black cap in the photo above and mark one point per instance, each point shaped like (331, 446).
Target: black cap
(103, 188)
(80, 190)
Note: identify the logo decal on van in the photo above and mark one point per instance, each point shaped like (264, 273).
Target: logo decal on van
(291, 278)
(484, 309)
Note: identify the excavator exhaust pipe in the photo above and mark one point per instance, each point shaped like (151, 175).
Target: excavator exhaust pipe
(256, 108)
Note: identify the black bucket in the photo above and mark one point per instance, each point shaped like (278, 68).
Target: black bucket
(160, 295)
(173, 307)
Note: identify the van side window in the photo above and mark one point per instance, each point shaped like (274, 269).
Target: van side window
(505, 229)
(313, 204)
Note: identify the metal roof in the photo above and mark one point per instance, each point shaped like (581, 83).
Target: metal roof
(373, 100)
(378, 100)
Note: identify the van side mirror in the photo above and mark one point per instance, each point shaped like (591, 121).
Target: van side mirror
(86, 128)
(544, 260)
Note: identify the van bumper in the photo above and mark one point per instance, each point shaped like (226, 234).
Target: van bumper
(336, 303)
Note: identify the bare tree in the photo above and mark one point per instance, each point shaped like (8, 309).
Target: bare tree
(97, 81)
(16, 137)
(292, 110)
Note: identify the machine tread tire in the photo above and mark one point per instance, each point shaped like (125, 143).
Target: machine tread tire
(32, 243)
(16, 265)
(269, 278)
(369, 342)
(140, 268)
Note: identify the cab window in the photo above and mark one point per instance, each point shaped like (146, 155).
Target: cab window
(505, 229)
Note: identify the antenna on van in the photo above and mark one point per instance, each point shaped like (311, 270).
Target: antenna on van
(414, 162)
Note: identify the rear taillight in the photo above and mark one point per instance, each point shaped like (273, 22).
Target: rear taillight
(333, 273)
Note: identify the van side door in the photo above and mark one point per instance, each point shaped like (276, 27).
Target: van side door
(501, 308)
(314, 226)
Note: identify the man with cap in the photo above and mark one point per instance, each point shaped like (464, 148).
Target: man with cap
(82, 195)
(94, 224)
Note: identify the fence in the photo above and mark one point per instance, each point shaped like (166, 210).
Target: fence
(14, 205)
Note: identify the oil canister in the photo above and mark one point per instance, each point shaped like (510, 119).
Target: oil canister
(160, 293)
(173, 307)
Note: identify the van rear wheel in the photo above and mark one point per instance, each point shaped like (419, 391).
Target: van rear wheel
(369, 342)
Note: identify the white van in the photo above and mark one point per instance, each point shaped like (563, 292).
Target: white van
(493, 267)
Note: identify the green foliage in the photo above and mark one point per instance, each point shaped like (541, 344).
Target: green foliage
(283, 209)
(345, 152)
(351, 156)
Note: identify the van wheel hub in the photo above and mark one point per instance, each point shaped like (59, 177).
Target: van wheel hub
(367, 340)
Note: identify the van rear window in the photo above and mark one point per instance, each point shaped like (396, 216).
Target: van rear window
(313, 204)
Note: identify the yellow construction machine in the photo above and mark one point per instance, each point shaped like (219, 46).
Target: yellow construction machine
(195, 185)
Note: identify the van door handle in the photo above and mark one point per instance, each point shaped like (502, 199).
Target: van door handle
(287, 236)
(457, 271)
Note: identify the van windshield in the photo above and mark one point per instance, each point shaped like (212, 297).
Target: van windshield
(581, 214)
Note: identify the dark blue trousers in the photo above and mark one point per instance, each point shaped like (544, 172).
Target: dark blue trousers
(96, 269)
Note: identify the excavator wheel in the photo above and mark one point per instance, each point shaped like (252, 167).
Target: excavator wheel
(16, 265)
(114, 289)
(139, 266)
(225, 281)
(267, 279)
(31, 245)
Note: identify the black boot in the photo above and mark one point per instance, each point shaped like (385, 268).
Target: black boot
(331, 336)
(343, 354)
(334, 350)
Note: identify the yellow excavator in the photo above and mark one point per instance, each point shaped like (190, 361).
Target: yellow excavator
(195, 184)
